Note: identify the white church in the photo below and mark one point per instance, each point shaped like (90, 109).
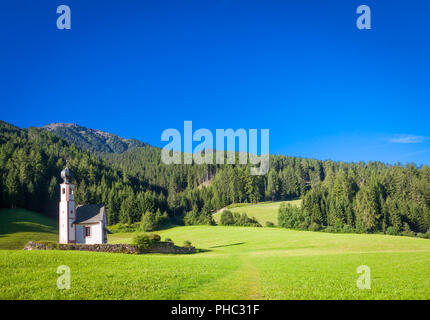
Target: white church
(82, 224)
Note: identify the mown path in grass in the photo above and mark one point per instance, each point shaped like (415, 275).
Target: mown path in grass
(240, 284)
(252, 279)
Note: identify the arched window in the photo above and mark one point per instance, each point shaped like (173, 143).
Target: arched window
(63, 190)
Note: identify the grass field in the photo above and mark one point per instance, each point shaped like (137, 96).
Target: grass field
(18, 226)
(238, 263)
(266, 211)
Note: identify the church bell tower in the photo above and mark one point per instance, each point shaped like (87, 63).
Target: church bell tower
(67, 208)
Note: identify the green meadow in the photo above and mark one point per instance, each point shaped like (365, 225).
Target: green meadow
(262, 212)
(18, 226)
(234, 263)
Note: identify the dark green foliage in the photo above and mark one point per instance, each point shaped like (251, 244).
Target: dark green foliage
(407, 230)
(162, 219)
(291, 217)
(392, 231)
(149, 222)
(154, 221)
(202, 217)
(229, 219)
(142, 242)
(244, 220)
(423, 235)
(187, 243)
(119, 227)
(365, 198)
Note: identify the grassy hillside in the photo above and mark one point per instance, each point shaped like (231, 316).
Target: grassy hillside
(267, 211)
(18, 226)
(240, 263)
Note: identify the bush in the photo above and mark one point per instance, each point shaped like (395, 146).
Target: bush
(421, 235)
(199, 217)
(314, 227)
(408, 233)
(187, 243)
(338, 226)
(270, 224)
(149, 222)
(161, 220)
(236, 219)
(226, 218)
(119, 227)
(391, 231)
(244, 220)
(407, 230)
(347, 229)
(330, 229)
(168, 240)
(142, 242)
(290, 216)
(154, 237)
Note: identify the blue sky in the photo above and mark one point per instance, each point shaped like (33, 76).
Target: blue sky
(299, 68)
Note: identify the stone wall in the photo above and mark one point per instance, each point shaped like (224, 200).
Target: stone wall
(169, 247)
(157, 247)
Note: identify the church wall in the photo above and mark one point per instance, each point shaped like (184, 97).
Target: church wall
(67, 213)
(63, 222)
(96, 234)
(80, 234)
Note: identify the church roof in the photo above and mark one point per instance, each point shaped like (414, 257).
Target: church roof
(89, 213)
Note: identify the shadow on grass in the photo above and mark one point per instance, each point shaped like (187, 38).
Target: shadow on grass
(202, 250)
(167, 227)
(228, 245)
(19, 226)
(21, 220)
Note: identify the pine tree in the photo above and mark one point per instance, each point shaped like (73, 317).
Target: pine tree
(149, 222)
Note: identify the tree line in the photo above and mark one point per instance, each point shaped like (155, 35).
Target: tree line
(369, 198)
(30, 165)
(195, 191)
(372, 197)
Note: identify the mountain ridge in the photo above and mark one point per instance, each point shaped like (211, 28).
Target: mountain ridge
(92, 139)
